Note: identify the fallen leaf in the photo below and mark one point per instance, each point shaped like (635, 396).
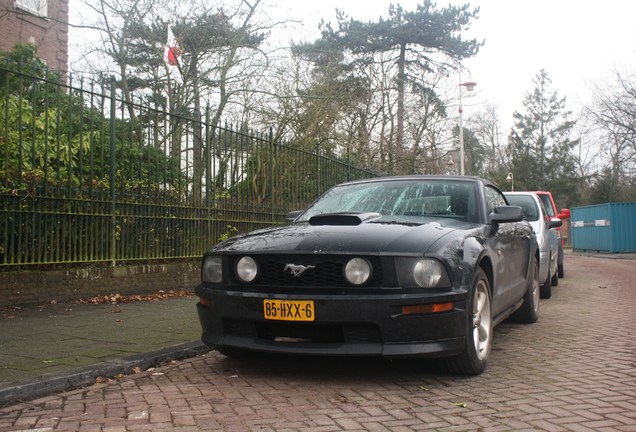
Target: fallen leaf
(118, 298)
(136, 370)
(48, 361)
(101, 380)
(460, 404)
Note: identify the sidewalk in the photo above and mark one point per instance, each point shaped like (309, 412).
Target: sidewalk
(50, 348)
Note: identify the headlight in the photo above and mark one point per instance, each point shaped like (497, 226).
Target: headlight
(421, 273)
(212, 269)
(246, 269)
(357, 271)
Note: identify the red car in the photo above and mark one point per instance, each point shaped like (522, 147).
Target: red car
(550, 206)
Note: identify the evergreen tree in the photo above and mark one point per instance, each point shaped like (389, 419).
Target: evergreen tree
(427, 39)
(540, 142)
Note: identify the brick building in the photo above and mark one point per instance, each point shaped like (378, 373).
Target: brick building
(43, 23)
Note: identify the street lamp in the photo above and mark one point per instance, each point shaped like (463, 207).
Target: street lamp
(511, 179)
(470, 85)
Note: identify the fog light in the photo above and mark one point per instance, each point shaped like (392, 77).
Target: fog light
(246, 269)
(357, 271)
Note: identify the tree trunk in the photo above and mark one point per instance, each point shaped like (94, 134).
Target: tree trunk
(399, 137)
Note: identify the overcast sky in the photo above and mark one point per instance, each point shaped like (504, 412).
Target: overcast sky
(575, 41)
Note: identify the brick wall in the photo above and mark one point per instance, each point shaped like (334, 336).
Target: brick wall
(49, 34)
(36, 287)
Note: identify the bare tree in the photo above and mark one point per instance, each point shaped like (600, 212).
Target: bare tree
(219, 58)
(486, 125)
(613, 111)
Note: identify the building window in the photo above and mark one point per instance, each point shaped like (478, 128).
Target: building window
(37, 7)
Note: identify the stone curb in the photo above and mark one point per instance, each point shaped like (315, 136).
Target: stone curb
(607, 255)
(54, 383)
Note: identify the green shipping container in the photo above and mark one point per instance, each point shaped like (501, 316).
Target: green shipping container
(604, 228)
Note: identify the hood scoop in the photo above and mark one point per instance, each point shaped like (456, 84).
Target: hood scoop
(343, 219)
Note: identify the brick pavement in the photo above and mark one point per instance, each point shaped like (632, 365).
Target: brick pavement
(574, 370)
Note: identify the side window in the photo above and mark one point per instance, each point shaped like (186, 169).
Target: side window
(548, 205)
(37, 7)
(544, 214)
(494, 198)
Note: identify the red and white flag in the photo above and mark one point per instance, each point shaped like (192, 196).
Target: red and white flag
(172, 56)
(171, 53)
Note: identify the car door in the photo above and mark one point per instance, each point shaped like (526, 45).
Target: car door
(551, 236)
(509, 253)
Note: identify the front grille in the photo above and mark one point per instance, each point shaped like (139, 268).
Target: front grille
(309, 332)
(321, 271)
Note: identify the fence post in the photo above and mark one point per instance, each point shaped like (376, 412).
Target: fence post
(348, 164)
(113, 173)
(271, 176)
(318, 174)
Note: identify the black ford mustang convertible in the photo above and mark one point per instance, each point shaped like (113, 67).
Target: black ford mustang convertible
(396, 267)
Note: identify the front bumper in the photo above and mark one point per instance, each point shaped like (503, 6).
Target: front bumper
(356, 324)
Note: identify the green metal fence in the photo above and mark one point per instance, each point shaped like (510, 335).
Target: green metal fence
(88, 178)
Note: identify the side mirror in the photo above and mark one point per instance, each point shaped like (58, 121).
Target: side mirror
(555, 223)
(564, 214)
(292, 215)
(505, 214)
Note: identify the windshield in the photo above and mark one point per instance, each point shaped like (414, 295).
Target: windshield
(401, 200)
(528, 205)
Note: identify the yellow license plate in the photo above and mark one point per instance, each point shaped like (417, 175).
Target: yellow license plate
(288, 310)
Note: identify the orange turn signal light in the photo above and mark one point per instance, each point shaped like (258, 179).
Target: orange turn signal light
(428, 308)
(205, 302)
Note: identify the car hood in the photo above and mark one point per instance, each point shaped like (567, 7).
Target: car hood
(368, 236)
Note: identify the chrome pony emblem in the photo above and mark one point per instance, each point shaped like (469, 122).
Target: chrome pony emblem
(296, 269)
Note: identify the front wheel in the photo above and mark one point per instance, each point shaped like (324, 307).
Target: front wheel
(555, 278)
(560, 269)
(473, 360)
(546, 288)
(529, 311)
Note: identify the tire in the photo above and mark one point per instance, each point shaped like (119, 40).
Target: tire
(555, 278)
(528, 313)
(546, 288)
(560, 257)
(474, 358)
